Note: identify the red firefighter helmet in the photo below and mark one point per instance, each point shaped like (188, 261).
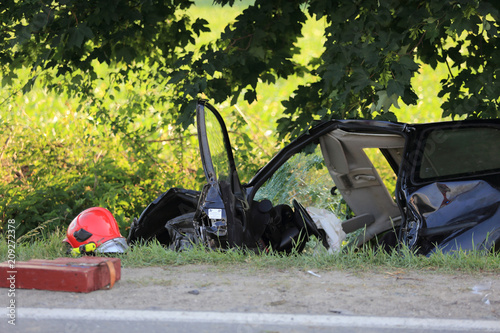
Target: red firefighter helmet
(96, 225)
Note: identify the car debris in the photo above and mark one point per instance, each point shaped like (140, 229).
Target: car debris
(446, 194)
(314, 274)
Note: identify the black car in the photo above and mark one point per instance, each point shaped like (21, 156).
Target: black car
(439, 192)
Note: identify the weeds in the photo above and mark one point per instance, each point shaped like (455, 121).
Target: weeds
(318, 258)
(49, 247)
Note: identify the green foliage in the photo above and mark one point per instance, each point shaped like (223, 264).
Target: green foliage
(61, 153)
(56, 161)
(372, 53)
(68, 46)
(70, 35)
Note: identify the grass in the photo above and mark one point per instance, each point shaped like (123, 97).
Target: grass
(363, 260)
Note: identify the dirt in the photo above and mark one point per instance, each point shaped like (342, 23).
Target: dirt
(245, 289)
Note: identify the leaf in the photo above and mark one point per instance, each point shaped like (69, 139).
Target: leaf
(77, 79)
(209, 68)
(361, 79)
(269, 78)
(87, 32)
(387, 116)
(178, 76)
(29, 85)
(200, 25)
(384, 101)
(409, 97)
(332, 75)
(23, 35)
(125, 53)
(39, 21)
(409, 63)
(75, 38)
(395, 87)
(187, 109)
(9, 78)
(258, 52)
(250, 96)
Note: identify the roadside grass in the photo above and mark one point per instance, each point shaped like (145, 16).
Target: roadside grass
(366, 259)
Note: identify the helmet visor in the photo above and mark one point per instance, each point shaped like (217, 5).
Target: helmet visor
(115, 245)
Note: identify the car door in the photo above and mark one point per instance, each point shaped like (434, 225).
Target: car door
(223, 212)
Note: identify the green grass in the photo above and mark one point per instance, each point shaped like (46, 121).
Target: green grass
(362, 260)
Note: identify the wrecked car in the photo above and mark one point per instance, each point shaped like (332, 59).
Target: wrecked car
(438, 192)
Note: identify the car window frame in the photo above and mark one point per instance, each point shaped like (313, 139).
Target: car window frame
(415, 155)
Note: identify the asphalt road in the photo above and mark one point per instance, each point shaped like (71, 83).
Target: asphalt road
(124, 321)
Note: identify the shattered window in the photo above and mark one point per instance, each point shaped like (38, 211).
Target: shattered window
(460, 152)
(305, 178)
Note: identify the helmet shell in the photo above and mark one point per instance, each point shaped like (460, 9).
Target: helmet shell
(95, 224)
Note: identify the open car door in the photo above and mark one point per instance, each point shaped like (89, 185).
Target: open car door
(220, 216)
(224, 216)
(222, 210)
(216, 216)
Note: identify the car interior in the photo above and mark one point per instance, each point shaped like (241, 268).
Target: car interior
(358, 180)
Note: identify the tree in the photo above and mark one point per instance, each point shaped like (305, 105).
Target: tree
(372, 52)
(63, 42)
